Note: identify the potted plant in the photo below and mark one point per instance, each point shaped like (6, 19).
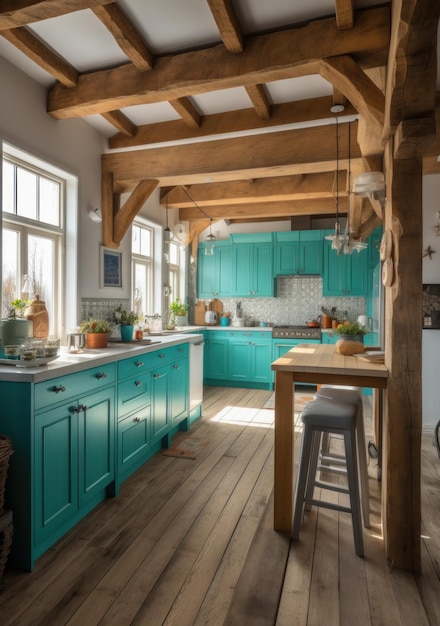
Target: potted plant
(97, 332)
(18, 306)
(127, 320)
(180, 310)
(351, 331)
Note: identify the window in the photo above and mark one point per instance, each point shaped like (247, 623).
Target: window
(175, 263)
(33, 236)
(142, 268)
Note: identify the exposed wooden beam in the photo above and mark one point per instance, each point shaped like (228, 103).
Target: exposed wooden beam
(227, 24)
(126, 35)
(267, 210)
(43, 56)
(412, 62)
(230, 122)
(15, 13)
(121, 122)
(277, 189)
(412, 137)
(108, 209)
(187, 112)
(253, 156)
(346, 75)
(344, 13)
(259, 99)
(126, 214)
(288, 53)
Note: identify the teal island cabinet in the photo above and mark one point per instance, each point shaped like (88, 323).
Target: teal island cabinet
(238, 358)
(79, 427)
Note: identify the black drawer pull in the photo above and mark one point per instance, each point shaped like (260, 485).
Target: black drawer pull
(138, 383)
(139, 363)
(101, 375)
(75, 409)
(161, 356)
(137, 420)
(58, 389)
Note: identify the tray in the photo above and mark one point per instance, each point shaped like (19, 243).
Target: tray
(31, 363)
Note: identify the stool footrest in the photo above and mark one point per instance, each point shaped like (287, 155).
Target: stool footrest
(329, 505)
(331, 487)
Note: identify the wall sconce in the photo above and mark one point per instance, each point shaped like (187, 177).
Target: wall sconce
(95, 215)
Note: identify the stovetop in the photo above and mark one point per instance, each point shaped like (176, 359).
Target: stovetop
(296, 332)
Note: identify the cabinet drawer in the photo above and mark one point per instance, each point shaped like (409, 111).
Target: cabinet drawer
(135, 365)
(167, 355)
(133, 439)
(55, 390)
(133, 393)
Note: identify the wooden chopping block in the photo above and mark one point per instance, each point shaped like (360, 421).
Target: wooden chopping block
(217, 306)
(199, 313)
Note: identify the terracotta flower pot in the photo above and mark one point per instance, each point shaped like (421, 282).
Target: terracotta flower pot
(97, 340)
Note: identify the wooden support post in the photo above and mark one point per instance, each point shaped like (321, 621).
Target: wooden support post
(401, 505)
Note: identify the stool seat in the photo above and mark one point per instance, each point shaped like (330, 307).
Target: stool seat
(324, 415)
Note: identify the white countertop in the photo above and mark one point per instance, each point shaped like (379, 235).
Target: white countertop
(69, 363)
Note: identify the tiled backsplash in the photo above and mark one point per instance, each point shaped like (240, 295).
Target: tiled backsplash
(299, 299)
(102, 308)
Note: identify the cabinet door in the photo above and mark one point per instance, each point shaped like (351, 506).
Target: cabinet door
(261, 360)
(133, 439)
(207, 275)
(356, 283)
(262, 284)
(216, 358)
(239, 360)
(56, 466)
(96, 421)
(159, 403)
(179, 388)
(310, 253)
(344, 275)
(241, 270)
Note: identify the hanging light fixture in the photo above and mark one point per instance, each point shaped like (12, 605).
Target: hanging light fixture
(167, 234)
(336, 237)
(349, 243)
(209, 250)
(211, 239)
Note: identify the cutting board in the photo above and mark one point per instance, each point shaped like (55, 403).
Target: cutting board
(217, 306)
(199, 313)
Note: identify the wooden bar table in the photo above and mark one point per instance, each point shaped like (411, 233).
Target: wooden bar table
(317, 364)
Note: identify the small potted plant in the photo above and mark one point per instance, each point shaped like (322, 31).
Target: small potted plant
(127, 320)
(180, 311)
(351, 331)
(18, 306)
(97, 332)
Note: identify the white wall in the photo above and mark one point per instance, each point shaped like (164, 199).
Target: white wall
(431, 274)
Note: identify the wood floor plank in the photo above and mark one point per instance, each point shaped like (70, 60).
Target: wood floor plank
(191, 542)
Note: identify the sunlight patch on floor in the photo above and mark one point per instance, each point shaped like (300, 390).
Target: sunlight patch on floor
(259, 418)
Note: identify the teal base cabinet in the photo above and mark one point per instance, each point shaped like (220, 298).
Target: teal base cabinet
(238, 359)
(281, 346)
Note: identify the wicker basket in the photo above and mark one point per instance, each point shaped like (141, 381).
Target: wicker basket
(6, 531)
(5, 452)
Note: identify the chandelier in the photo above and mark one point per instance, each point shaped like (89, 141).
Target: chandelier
(344, 242)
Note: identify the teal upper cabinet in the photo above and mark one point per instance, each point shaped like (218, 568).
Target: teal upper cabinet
(298, 252)
(344, 274)
(252, 268)
(214, 271)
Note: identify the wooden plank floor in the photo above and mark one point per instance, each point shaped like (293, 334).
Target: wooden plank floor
(190, 542)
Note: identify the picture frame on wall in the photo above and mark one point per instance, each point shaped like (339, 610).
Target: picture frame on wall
(110, 273)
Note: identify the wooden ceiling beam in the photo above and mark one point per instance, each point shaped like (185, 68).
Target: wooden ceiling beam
(269, 57)
(230, 122)
(43, 56)
(126, 214)
(121, 123)
(253, 156)
(227, 23)
(344, 14)
(268, 210)
(14, 13)
(126, 35)
(187, 111)
(259, 99)
(276, 189)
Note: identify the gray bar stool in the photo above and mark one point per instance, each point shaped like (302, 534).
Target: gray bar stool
(324, 415)
(354, 395)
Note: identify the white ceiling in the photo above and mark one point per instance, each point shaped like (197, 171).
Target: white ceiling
(168, 26)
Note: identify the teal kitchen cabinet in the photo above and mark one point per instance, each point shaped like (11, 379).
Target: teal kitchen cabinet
(74, 460)
(298, 252)
(216, 356)
(134, 414)
(344, 274)
(169, 390)
(250, 357)
(214, 271)
(252, 270)
(280, 346)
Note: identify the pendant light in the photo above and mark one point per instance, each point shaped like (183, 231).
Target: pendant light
(336, 237)
(167, 232)
(209, 250)
(349, 243)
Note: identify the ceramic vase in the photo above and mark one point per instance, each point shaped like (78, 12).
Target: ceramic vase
(97, 340)
(127, 333)
(181, 320)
